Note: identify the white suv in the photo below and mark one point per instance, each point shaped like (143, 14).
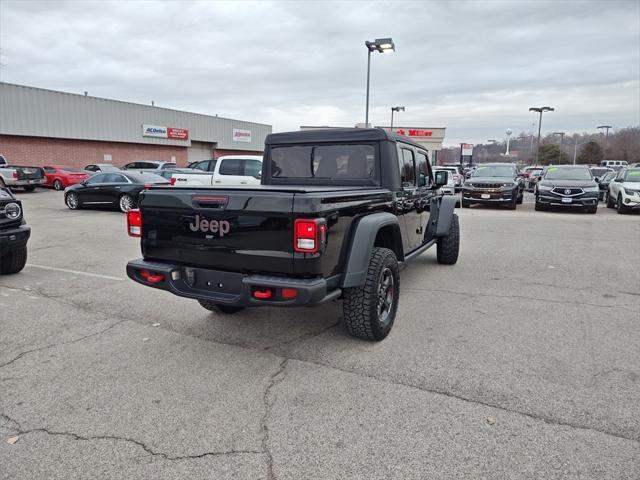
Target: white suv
(624, 191)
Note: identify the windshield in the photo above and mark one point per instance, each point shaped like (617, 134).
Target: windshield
(340, 162)
(598, 172)
(632, 176)
(556, 173)
(494, 171)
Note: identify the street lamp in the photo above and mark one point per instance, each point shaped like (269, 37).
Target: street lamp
(560, 150)
(540, 110)
(508, 131)
(395, 109)
(380, 45)
(575, 148)
(606, 136)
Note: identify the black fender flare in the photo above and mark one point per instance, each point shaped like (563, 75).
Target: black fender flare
(445, 215)
(361, 245)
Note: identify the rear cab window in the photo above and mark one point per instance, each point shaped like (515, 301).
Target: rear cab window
(326, 163)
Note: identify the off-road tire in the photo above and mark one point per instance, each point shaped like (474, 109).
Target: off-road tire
(620, 208)
(448, 247)
(360, 304)
(217, 308)
(610, 203)
(29, 189)
(13, 261)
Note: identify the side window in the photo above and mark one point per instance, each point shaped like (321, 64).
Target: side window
(424, 178)
(49, 169)
(231, 166)
(97, 179)
(201, 166)
(252, 168)
(130, 166)
(91, 168)
(408, 169)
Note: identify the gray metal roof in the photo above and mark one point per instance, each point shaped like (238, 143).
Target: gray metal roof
(38, 112)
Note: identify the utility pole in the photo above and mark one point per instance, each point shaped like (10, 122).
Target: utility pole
(560, 152)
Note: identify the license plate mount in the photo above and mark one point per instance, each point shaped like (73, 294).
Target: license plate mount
(567, 200)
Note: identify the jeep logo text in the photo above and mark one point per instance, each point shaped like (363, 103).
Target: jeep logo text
(221, 227)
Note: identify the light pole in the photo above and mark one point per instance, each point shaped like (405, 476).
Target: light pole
(508, 131)
(606, 136)
(380, 45)
(540, 110)
(395, 109)
(560, 149)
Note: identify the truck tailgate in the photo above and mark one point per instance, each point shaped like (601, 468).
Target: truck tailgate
(239, 230)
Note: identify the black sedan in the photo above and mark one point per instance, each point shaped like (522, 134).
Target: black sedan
(568, 186)
(111, 190)
(494, 183)
(605, 180)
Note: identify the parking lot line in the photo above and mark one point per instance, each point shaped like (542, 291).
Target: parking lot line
(55, 269)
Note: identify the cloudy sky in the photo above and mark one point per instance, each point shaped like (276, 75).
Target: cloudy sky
(474, 67)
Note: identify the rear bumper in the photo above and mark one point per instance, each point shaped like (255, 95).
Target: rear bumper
(14, 238)
(26, 183)
(230, 288)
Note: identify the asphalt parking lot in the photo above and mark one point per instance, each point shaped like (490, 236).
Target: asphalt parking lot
(521, 361)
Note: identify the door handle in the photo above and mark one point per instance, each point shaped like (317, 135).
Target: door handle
(243, 183)
(218, 181)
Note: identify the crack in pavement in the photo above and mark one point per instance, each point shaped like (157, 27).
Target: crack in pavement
(20, 431)
(68, 342)
(274, 379)
(304, 336)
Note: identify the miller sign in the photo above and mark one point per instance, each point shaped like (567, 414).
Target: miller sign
(241, 135)
(414, 132)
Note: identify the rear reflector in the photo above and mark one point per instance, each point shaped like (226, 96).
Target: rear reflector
(289, 293)
(134, 223)
(262, 293)
(151, 277)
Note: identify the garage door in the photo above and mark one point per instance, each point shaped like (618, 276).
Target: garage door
(199, 151)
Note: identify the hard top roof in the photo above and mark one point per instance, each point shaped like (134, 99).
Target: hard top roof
(327, 135)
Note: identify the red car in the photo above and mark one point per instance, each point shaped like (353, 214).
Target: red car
(61, 176)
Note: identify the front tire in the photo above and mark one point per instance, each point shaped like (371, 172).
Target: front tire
(57, 185)
(538, 206)
(218, 308)
(513, 204)
(620, 206)
(72, 200)
(520, 198)
(14, 261)
(370, 310)
(448, 247)
(610, 203)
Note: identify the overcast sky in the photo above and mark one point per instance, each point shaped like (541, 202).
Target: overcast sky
(473, 67)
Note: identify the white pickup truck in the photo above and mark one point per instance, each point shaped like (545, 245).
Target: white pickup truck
(230, 170)
(23, 177)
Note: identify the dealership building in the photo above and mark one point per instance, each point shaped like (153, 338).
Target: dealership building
(39, 127)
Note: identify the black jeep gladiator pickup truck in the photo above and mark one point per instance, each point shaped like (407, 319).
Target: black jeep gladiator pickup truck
(337, 212)
(14, 234)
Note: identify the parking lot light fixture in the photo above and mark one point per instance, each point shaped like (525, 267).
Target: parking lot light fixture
(395, 109)
(540, 110)
(606, 136)
(380, 45)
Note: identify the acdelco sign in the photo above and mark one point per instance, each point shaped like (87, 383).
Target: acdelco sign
(154, 131)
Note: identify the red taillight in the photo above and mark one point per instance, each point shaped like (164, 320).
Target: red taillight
(289, 293)
(14, 174)
(151, 277)
(262, 293)
(308, 235)
(134, 223)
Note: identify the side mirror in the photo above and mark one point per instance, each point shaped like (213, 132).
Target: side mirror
(619, 180)
(440, 179)
(597, 179)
